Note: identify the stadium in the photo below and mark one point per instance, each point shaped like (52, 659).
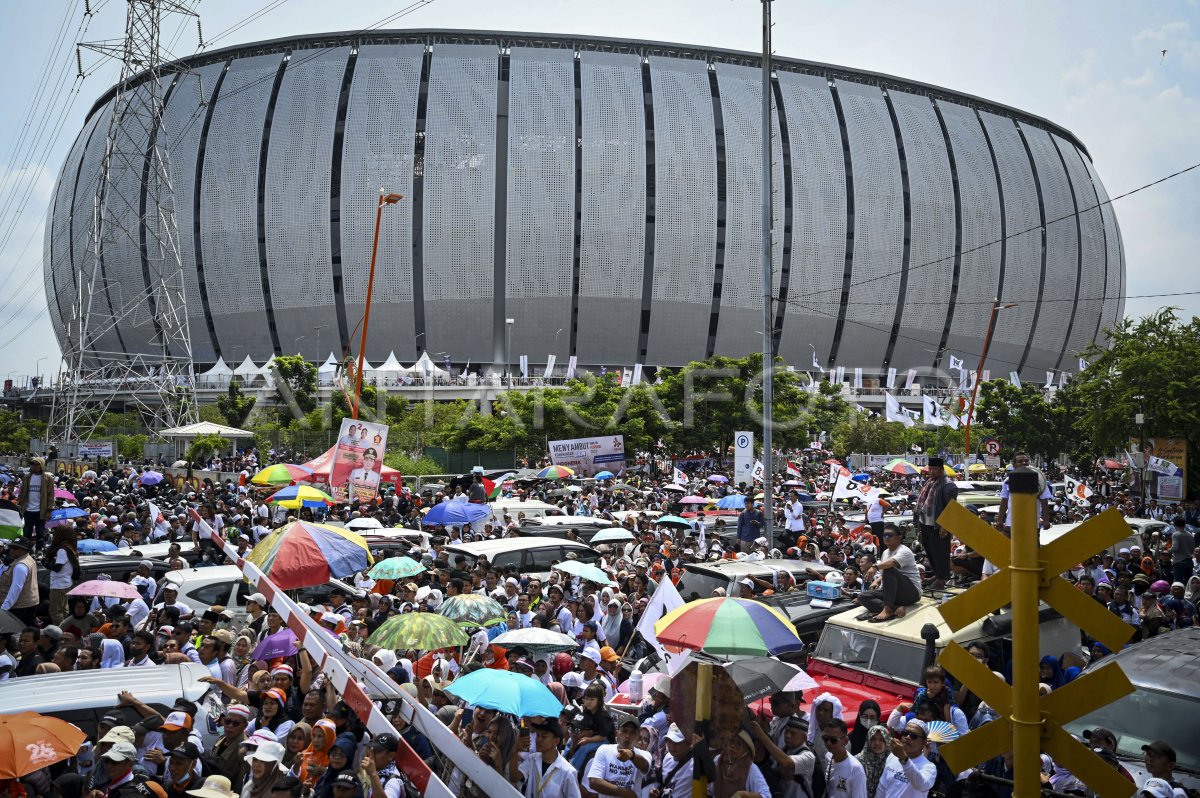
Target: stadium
(604, 196)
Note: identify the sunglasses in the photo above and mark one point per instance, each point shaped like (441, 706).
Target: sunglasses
(912, 735)
(830, 740)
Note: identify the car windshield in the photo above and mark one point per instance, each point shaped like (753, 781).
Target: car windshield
(867, 652)
(1146, 716)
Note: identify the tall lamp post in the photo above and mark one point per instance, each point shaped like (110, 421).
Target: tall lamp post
(317, 329)
(1139, 418)
(987, 342)
(384, 199)
(508, 325)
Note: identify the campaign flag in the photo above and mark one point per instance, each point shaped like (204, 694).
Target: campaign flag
(549, 367)
(1161, 465)
(1049, 379)
(836, 471)
(841, 374)
(912, 378)
(793, 469)
(858, 379)
(956, 364)
(817, 365)
(680, 477)
(161, 528)
(847, 488)
(357, 463)
(626, 377)
(1062, 379)
(891, 378)
(987, 375)
(12, 523)
(1083, 364)
(1015, 379)
(524, 367)
(930, 412)
(1078, 491)
(637, 374)
(760, 471)
(572, 362)
(664, 599)
(893, 411)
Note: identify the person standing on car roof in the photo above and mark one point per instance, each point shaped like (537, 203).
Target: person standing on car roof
(936, 494)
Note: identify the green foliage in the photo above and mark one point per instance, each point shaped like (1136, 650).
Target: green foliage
(409, 466)
(234, 406)
(16, 433)
(1023, 419)
(1156, 357)
(863, 433)
(205, 446)
(132, 447)
(295, 383)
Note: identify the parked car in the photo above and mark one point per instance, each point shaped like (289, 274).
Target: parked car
(92, 566)
(158, 551)
(1165, 670)
(531, 556)
(702, 578)
(84, 697)
(200, 588)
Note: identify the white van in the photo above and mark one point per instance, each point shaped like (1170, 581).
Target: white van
(200, 588)
(532, 509)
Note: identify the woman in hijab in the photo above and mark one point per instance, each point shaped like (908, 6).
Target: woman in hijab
(315, 759)
(272, 715)
(112, 654)
(869, 714)
(874, 755)
(736, 771)
(1192, 591)
(1051, 672)
(298, 741)
(242, 648)
(341, 760)
(79, 622)
(825, 708)
(263, 775)
(617, 627)
(559, 691)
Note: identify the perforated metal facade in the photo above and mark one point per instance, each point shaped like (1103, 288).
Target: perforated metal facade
(614, 188)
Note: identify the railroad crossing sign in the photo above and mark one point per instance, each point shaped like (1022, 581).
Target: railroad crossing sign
(1028, 572)
(992, 447)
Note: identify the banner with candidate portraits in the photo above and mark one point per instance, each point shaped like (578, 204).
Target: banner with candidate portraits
(357, 464)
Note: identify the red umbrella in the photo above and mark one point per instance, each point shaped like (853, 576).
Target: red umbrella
(1113, 465)
(833, 461)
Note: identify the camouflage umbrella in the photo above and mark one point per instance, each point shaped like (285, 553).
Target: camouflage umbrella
(472, 609)
(425, 631)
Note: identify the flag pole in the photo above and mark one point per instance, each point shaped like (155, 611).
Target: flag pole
(384, 199)
(768, 330)
(987, 342)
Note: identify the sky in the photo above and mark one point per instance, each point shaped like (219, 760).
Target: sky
(1094, 67)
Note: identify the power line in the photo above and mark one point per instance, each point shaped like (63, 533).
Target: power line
(1019, 300)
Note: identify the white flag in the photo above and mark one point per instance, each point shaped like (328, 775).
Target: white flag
(1077, 491)
(572, 362)
(524, 367)
(760, 471)
(665, 599)
(816, 364)
(891, 378)
(1049, 379)
(930, 412)
(1083, 364)
(841, 374)
(847, 488)
(1160, 466)
(680, 477)
(954, 422)
(161, 528)
(549, 367)
(955, 363)
(858, 379)
(637, 374)
(893, 411)
(987, 375)
(964, 380)
(1015, 379)
(912, 378)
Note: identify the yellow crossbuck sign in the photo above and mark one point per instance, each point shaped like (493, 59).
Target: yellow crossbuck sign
(1030, 724)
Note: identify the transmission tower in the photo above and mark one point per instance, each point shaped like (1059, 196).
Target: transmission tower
(133, 211)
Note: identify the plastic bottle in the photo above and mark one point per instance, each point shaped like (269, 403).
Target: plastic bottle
(635, 687)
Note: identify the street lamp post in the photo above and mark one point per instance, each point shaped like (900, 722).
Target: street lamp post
(987, 342)
(1139, 418)
(508, 325)
(317, 330)
(296, 343)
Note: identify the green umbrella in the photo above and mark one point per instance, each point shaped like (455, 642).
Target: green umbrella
(472, 609)
(425, 631)
(396, 568)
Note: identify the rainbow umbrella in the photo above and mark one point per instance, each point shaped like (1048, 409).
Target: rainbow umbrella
(297, 496)
(901, 466)
(282, 474)
(302, 554)
(555, 472)
(728, 627)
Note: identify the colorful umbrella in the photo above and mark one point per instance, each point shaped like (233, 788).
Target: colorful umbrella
(614, 534)
(605, 475)
(303, 554)
(297, 496)
(29, 742)
(62, 493)
(277, 646)
(106, 588)
(455, 514)
(728, 627)
(472, 609)
(555, 472)
(734, 501)
(977, 468)
(941, 731)
(901, 466)
(759, 677)
(505, 691)
(281, 474)
(396, 568)
(950, 472)
(584, 571)
(151, 478)
(424, 631)
(536, 641)
(671, 520)
(718, 478)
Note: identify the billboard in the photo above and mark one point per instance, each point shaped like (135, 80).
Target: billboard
(357, 463)
(589, 456)
(1166, 464)
(94, 450)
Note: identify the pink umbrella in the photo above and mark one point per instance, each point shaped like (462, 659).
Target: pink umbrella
(106, 588)
(60, 493)
(694, 500)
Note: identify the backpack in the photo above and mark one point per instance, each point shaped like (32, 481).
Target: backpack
(814, 787)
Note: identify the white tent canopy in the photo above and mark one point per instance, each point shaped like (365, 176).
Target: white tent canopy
(266, 372)
(330, 365)
(219, 369)
(205, 428)
(247, 368)
(425, 365)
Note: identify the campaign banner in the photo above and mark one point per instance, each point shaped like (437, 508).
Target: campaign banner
(589, 456)
(94, 450)
(357, 463)
(1165, 459)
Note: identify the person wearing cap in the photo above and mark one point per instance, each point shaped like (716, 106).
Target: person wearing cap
(794, 761)
(345, 785)
(171, 732)
(170, 598)
(545, 773)
(676, 766)
(1158, 788)
(122, 780)
(283, 679)
(898, 583)
(936, 494)
(907, 773)
(226, 758)
(1159, 758)
(384, 779)
(735, 768)
(183, 771)
(18, 583)
(619, 768)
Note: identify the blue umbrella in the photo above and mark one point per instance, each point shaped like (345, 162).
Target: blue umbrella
(605, 475)
(67, 513)
(151, 478)
(861, 477)
(456, 514)
(734, 501)
(90, 546)
(505, 691)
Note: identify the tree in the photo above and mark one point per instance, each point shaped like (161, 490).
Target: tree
(862, 433)
(205, 446)
(15, 432)
(234, 405)
(1023, 419)
(295, 383)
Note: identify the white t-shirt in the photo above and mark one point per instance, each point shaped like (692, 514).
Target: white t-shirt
(681, 782)
(874, 511)
(913, 779)
(906, 563)
(605, 765)
(33, 502)
(845, 779)
(61, 579)
(802, 765)
(1004, 494)
(754, 780)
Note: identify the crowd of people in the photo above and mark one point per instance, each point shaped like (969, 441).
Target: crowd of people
(286, 732)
